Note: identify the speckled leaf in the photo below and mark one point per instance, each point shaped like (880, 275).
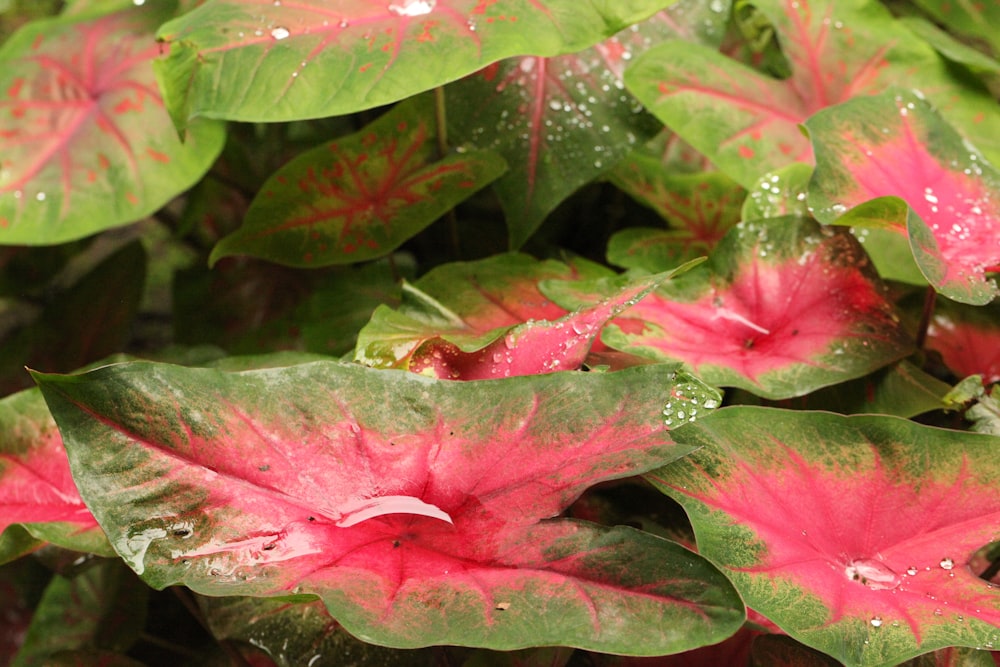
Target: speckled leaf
(853, 534)
(415, 514)
(101, 608)
(968, 339)
(270, 61)
(747, 122)
(779, 193)
(85, 143)
(951, 213)
(533, 347)
(362, 196)
(466, 304)
(781, 308)
(37, 492)
(562, 121)
(298, 634)
(699, 208)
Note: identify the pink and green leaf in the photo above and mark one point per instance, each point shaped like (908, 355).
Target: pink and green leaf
(782, 308)
(256, 483)
(747, 122)
(968, 340)
(533, 347)
(853, 534)
(946, 199)
(286, 61)
(468, 305)
(779, 193)
(86, 142)
(362, 196)
(37, 493)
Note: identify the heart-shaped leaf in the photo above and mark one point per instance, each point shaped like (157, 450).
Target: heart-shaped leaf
(747, 122)
(254, 484)
(781, 308)
(464, 304)
(341, 56)
(853, 534)
(37, 491)
(86, 143)
(362, 196)
(950, 214)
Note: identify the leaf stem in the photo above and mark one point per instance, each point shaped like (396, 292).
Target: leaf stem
(441, 120)
(930, 297)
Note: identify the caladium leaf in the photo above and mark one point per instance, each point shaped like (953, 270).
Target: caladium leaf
(37, 492)
(699, 208)
(853, 534)
(465, 304)
(781, 308)
(747, 122)
(341, 56)
(103, 607)
(86, 143)
(362, 196)
(971, 19)
(779, 193)
(950, 214)
(533, 347)
(317, 640)
(245, 484)
(949, 46)
(968, 340)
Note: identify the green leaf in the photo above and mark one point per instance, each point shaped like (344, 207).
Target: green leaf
(779, 193)
(101, 608)
(949, 47)
(359, 197)
(273, 62)
(853, 534)
(86, 142)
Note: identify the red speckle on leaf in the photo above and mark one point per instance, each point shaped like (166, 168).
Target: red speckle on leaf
(4, 222)
(15, 88)
(490, 71)
(158, 156)
(746, 151)
(482, 6)
(425, 35)
(364, 68)
(132, 199)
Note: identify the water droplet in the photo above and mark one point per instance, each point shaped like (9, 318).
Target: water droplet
(40, 196)
(912, 571)
(872, 573)
(876, 621)
(280, 33)
(946, 563)
(412, 7)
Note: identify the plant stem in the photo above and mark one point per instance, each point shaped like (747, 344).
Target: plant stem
(930, 297)
(441, 120)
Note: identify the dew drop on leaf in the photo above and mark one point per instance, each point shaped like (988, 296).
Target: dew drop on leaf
(876, 622)
(947, 563)
(412, 7)
(280, 33)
